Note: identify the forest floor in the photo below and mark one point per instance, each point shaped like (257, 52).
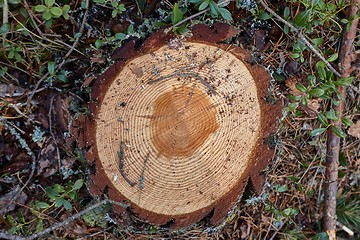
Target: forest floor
(50, 55)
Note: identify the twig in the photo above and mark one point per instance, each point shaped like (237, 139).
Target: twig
(24, 145)
(139, 9)
(345, 228)
(26, 5)
(333, 141)
(63, 223)
(220, 4)
(301, 36)
(5, 12)
(81, 30)
(52, 133)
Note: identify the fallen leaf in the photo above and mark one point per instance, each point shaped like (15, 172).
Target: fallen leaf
(260, 39)
(5, 201)
(312, 108)
(354, 130)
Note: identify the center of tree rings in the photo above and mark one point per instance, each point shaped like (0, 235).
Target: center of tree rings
(183, 119)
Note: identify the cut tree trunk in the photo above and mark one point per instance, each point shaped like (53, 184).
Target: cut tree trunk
(178, 127)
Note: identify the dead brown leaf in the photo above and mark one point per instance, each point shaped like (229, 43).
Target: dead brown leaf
(5, 201)
(354, 130)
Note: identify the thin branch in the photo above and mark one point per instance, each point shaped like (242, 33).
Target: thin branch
(63, 223)
(302, 37)
(333, 141)
(26, 5)
(52, 133)
(5, 18)
(82, 27)
(24, 145)
(72, 48)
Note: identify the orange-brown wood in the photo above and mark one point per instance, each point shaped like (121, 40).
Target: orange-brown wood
(178, 128)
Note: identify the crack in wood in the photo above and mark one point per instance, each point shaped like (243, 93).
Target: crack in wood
(121, 154)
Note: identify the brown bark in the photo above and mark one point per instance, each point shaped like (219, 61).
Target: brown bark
(178, 128)
(333, 143)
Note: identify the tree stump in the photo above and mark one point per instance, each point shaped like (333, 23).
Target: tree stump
(178, 126)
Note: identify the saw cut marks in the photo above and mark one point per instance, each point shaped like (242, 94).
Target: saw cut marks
(191, 114)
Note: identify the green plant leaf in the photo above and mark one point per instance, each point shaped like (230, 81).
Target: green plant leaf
(114, 13)
(293, 106)
(302, 18)
(180, 30)
(42, 205)
(62, 77)
(290, 212)
(58, 188)
(120, 36)
(59, 202)
(177, 14)
(66, 8)
(304, 101)
(98, 43)
(40, 8)
(3, 71)
(39, 225)
(72, 195)
(320, 66)
(78, 184)
(300, 87)
(333, 57)
(294, 97)
(56, 11)
(338, 132)
(121, 8)
(5, 28)
(264, 16)
(322, 119)
(316, 92)
(295, 55)
(281, 188)
(114, 4)
(344, 81)
(346, 121)
(51, 68)
(286, 29)
(317, 41)
(286, 13)
(312, 80)
(17, 57)
(317, 132)
(11, 54)
(331, 114)
(52, 194)
(225, 13)
(47, 15)
(49, 3)
(67, 205)
(214, 8)
(204, 5)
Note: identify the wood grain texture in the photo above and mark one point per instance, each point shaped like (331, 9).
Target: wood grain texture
(177, 128)
(198, 141)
